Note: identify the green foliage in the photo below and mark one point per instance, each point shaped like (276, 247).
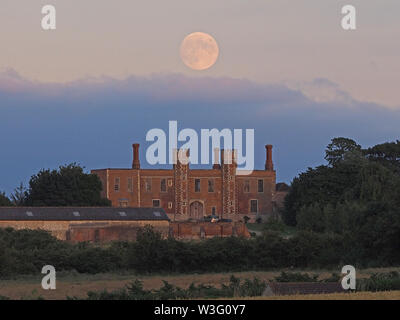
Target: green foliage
(387, 154)
(19, 196)
(274, 224)
(380, 282)
(68, 186)
(135, 291)
(339, 149)
(27, 251)
(356, 197)
(4, 200)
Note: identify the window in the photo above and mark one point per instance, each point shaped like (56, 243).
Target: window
(253, 206)
(163, 185)
(123, 203)
(169, 182)
(213, 210)
(196, 185)
(130, 185)
(116, 184)
(260, 185)
(147, 184)
(156, 203)
(246, 186)
(169, 205)
(211, 185)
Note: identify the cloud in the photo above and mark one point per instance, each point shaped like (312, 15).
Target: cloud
(94, 121)
(323, 90)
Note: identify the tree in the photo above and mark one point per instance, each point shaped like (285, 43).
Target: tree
(338, 148)
(67, 186)
(18, 198)
(4, 201)
(387, 154)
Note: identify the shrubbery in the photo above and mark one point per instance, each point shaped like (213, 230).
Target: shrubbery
(380, 282)
(27, 251)
(135, 291)
(355, 198)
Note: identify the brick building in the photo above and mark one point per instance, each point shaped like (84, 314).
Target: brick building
(102, 224)
(186, 193)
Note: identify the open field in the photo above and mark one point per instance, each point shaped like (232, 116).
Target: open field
(384, 295)
(74, 284)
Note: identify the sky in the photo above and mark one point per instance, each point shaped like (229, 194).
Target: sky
(111, 71)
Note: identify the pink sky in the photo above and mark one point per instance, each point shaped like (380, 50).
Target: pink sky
(285, 41)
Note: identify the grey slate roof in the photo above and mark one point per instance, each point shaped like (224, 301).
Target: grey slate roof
(80, 213)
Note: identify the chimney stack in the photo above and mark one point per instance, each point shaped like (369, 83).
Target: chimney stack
(228, 156)
(269, 166)
(216, 164)
(136, 162)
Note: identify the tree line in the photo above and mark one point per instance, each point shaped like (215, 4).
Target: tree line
(355, 196)
(27, 251)
(66, 186)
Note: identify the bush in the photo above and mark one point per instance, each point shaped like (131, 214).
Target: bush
(135, 291)
(380, 282)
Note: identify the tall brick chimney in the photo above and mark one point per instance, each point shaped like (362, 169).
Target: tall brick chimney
(222, 156)
(136, 162)
(269, 165)
(216, 164)
(228, 156)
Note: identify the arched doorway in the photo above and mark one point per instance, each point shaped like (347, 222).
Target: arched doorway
(196, 210)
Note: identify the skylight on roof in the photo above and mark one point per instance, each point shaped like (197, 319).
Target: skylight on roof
(76, 214)
(29, 213)
(157, 213)
(122, 214)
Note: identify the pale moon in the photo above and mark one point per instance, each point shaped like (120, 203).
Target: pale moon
(199, 51)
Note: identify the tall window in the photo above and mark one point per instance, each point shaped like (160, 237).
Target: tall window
(147, 184)
(253, 206)
(116, 184)
(260, 185)
(197, 185)
(213, 211)
(246, 186)
(156, 203)
(211, 185)
(130, 185)
(163, 185)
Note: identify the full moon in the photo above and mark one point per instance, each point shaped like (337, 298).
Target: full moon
(199, 51)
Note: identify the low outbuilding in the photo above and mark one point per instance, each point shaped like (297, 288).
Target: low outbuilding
(95, 224)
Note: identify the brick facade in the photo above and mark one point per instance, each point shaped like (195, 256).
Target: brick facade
(186, 193)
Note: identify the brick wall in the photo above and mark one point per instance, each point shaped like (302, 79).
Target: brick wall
(95, 231)
(204, 230)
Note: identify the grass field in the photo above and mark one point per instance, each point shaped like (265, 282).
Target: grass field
(385, 295)
(283, 230)
(73, 284)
